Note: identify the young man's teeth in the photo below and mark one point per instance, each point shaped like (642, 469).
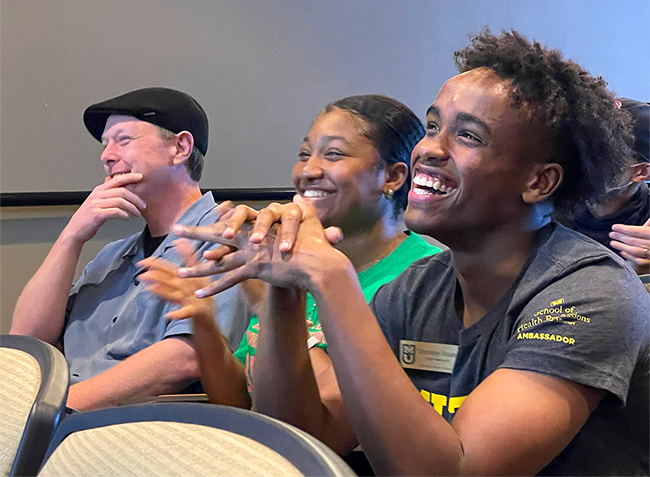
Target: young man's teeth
(419, 180)
(430, 183)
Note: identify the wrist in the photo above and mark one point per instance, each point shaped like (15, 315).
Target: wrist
(70, 239)
(335, 270)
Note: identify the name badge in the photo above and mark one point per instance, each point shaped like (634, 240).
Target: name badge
(424, 356)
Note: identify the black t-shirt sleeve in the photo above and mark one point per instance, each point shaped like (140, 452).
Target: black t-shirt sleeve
(405, 305)
(388, 311)
(584, 327)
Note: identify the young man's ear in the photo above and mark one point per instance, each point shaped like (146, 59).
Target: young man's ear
(641, 172)
(544, 180)
(395, 176)
(184, 143)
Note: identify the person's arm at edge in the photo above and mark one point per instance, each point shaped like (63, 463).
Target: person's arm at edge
(162, 368)
(222, 375)
(295, 384)
(40, 309)
(403, 435)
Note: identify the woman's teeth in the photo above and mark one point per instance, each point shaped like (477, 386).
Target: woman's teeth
(314, 193)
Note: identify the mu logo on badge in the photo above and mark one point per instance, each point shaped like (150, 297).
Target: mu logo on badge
(408, 353)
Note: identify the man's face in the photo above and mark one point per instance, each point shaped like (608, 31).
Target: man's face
(131, 145)
(470, 169)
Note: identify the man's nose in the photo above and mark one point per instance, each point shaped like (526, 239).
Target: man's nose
(109, 154)
(432, 149)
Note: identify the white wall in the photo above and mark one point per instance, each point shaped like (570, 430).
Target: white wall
(262, 69)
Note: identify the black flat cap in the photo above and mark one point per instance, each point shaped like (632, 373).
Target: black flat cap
(170, 109)
(641, 118)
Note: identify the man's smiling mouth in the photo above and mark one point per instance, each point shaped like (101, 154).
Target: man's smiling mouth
(430, 183)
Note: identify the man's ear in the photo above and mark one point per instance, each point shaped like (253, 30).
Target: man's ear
(184, 143)
(395, 176)
(544, 180)
(641, 172)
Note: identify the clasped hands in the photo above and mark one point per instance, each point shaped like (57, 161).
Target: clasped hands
(283, 244)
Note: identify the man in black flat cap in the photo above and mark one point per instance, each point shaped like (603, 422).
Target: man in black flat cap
(621, 219)
(118, 344)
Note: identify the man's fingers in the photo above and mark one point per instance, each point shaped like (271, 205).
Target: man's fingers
(206, 233)
(237, 219)
(156, 263)
(187, 251)
(225, 264)
(115, 213)
(291, 217)
(121, 180)
(216, 253)
(157, 276)
(630, 240)
(272, 214)
(642, 253)
(224, 208)
(637, 231)
(203, 269)
(227, 280)
(181, 313)
(169, 293)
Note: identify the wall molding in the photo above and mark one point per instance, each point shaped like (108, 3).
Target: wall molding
(40, 199)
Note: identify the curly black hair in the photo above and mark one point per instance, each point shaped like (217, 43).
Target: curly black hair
(393, 129)
(591, 137)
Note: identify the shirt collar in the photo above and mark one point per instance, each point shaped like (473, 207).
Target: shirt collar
(191, 216)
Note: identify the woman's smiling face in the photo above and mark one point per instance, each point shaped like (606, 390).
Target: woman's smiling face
(339, 170)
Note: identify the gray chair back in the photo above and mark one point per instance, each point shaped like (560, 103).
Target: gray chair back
(33, 390)
(185, 439)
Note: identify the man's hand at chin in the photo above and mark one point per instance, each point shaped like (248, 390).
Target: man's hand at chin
(110, 200)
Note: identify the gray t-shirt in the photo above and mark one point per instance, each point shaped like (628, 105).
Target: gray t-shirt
(576, 311)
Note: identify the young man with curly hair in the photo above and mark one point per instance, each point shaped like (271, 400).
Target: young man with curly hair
(524, 348)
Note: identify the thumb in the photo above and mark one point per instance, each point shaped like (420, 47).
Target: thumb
(333, 235)
(308, 208)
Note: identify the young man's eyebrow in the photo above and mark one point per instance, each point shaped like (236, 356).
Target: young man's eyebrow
(470, 118)
(433, 110)
(461, 118)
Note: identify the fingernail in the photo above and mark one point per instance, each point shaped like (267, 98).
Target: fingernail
(229, 232)
(285, 246)
(256, 237)
(199, 294)
(182, 272)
